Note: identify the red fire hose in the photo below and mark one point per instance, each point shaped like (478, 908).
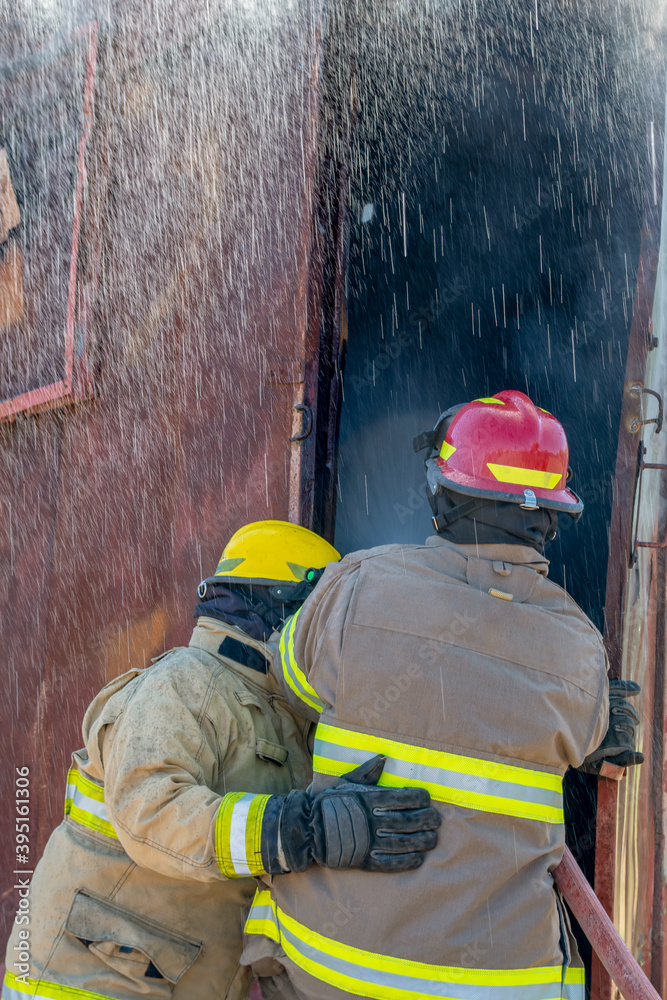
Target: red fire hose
(611, 949)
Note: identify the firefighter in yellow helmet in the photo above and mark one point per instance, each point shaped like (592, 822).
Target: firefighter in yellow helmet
(190, 783)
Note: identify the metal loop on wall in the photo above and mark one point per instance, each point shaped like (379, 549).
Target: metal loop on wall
(641, 390)
(307, 424)
(646, 545)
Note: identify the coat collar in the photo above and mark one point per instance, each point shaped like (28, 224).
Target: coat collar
(518, 555)
(209, 633)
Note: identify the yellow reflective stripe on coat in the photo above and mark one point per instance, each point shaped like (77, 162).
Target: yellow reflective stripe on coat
(381, 977)
(292, 673)
(84, 802)
(238, 834)
(14, 987)
(482, 785)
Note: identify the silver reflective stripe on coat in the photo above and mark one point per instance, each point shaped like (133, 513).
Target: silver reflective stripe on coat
(84, 802)
(238, 834)
(483, 785)
(382, 977)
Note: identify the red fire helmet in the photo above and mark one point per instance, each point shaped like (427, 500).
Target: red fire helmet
(503, 447)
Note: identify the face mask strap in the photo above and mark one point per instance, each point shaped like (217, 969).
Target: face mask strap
(442, 520)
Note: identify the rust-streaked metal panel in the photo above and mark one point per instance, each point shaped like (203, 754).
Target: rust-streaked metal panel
(630, 830)
(202, 179)
(640, 854)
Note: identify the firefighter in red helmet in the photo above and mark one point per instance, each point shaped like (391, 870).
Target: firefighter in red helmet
(500, 448)
(477, 678)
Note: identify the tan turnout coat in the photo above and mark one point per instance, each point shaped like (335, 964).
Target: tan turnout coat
(482, 680)
(162, 746)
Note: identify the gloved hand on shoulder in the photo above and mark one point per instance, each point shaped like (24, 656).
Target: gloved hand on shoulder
(620, 743)
(353, 824)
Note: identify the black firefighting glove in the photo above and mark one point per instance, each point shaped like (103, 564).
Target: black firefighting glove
(354, 824)
(619, 745)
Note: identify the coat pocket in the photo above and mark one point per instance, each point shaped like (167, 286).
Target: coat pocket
(133, 946)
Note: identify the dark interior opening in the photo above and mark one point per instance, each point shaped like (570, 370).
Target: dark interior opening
(503, 161)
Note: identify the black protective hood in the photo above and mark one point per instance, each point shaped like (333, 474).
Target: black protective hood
(254, 610)
(492, 522)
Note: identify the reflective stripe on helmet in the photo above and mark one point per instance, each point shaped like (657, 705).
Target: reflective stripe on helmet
(483, 785)
(382, 977)
(84, 802)
(292, 673)
(15, 987)
(447, 450)
(525, 477)
(238, 834)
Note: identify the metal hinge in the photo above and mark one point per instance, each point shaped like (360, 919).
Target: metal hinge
(640, 390)
(636, 543)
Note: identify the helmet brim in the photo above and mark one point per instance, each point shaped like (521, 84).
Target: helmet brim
(250, 581)
(565, 500)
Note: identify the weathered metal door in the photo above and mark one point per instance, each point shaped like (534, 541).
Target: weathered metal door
(171, 269)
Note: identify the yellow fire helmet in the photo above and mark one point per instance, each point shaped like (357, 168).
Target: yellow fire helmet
(270, 552)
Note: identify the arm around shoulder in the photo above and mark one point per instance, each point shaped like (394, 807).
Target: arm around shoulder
(161, 759)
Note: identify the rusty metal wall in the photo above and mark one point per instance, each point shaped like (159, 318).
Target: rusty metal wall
(629, 858)
(203, 185)
(640, 840)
